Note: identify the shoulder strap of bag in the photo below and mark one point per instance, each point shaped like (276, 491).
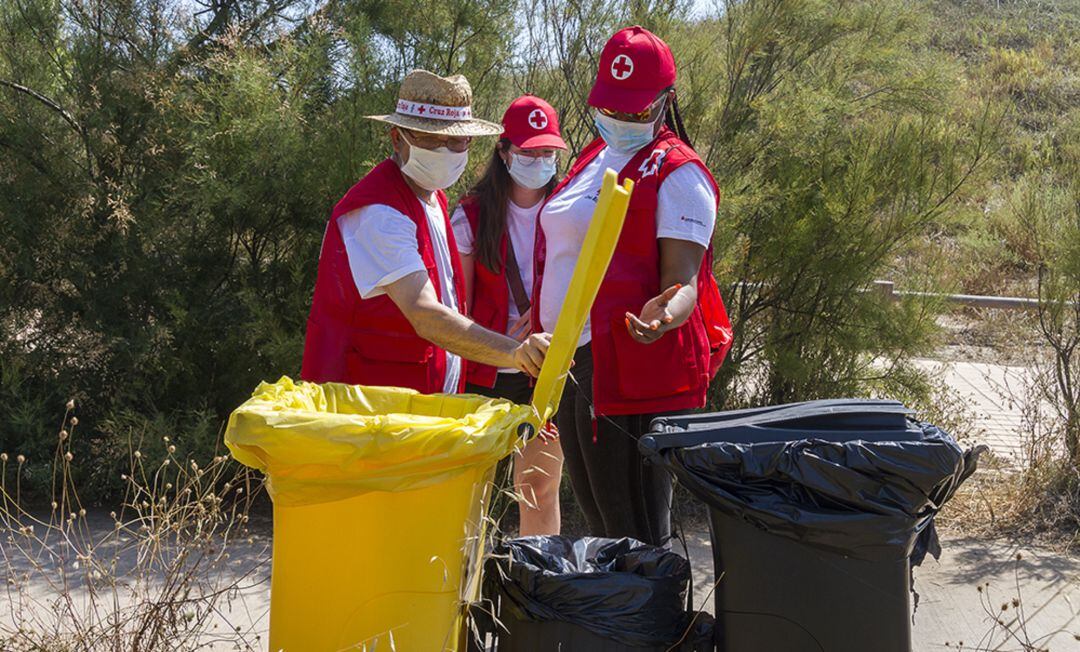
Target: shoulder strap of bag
(513, 278)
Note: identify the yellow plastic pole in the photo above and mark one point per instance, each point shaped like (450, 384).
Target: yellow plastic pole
(596, 251)
(592, 263)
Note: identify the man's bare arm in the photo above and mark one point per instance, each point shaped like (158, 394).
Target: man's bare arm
(415, 296)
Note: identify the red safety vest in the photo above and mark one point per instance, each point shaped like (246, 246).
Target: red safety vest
(491, 296)
(369, 341)
(672, 373)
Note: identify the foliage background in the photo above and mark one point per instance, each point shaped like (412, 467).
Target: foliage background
(167, 169)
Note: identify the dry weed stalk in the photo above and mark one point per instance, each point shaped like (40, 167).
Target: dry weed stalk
(158, 574)
(1008, 623)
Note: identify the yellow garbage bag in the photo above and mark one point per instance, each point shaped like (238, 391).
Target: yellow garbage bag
(379, 495)
(321, 443)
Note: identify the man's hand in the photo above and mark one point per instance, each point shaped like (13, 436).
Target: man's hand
(655, 317)
(529, 355)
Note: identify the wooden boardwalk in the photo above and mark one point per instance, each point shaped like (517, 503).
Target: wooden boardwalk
(995, 395)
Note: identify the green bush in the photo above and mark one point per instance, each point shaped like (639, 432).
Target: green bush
(839, 146)
(165, 180)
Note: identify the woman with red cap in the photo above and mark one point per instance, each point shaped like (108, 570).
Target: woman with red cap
(495, 229)
(657, 331)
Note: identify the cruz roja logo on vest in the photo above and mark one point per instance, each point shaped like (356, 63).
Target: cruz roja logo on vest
(651, 164)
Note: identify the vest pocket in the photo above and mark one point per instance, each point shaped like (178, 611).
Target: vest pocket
(388, 360)
(667, 367)
(385, 347)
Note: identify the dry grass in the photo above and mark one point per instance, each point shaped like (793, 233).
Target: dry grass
(158, 577)
(1039, 504)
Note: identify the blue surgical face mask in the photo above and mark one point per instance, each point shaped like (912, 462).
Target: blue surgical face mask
(622, 136)
(531, 172)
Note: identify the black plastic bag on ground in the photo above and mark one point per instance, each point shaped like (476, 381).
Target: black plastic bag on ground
(872, 500)
(620, 589)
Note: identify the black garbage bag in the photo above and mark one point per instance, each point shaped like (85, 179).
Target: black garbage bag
(872, 500)
(621, 589)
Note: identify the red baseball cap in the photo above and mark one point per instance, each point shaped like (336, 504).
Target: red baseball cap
(635, 65)
(530, 122)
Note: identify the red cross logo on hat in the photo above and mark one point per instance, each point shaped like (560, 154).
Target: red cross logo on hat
(622, 67)
(538, 119)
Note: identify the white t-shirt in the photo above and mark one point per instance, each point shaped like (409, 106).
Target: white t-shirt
(382, 247)
(521, 225)
(685, 210)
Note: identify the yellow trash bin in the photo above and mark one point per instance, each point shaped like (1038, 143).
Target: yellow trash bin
(379, 493)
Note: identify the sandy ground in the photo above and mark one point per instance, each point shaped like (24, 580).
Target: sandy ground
(951, 609)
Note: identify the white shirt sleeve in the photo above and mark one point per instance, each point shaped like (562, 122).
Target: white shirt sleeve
(381, 245)
(686, 206)
(463, 234)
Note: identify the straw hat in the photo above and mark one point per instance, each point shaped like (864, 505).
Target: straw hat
(437, 105)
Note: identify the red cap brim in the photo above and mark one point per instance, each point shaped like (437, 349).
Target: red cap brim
(605, 96)
(540, 141)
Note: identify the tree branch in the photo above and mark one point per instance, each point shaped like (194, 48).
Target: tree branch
(70, 119)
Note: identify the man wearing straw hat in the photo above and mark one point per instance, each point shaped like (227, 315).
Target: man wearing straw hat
(388, 307)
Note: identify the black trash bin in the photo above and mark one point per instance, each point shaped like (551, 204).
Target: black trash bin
(818, 510)
(551, 594)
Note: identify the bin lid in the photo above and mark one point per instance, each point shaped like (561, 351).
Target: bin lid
(834, 420)
(866, 491)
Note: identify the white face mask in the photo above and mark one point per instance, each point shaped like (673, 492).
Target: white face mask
(434, 169)
(532, 173)
(621, 136)
(629, 137)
